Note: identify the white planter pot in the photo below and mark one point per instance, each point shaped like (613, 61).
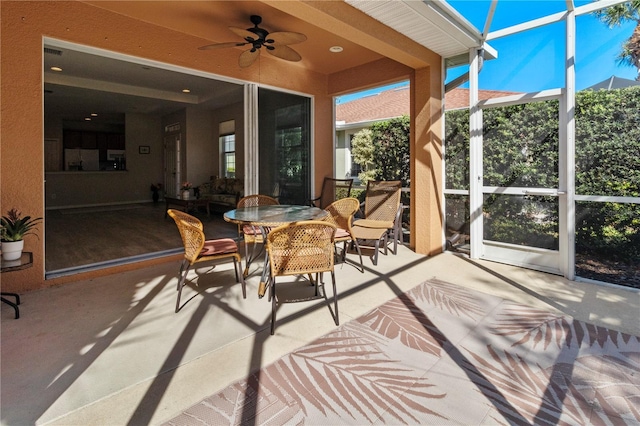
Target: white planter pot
(185, 195)
(12, 250)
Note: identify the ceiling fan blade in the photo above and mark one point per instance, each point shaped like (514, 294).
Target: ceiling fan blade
(284, 52)
(222, 45)
(286, 37)
(245, 34)
(248, 57)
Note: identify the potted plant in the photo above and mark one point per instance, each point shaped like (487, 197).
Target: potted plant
(185, 188)
(13, 229)
(155, 191)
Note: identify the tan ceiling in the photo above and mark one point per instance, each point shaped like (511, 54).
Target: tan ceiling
(210, 20)
(410, 35)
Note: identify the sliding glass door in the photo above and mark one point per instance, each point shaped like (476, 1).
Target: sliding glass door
(284, 146)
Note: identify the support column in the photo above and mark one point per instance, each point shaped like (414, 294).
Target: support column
(427, 161)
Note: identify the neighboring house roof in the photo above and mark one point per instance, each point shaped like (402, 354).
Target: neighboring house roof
(395, 103)
(614, 82)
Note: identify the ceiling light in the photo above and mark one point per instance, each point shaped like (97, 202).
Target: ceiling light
(336, 49)
(93, 114)
(87, 119)
(56, 69)
(186, 91)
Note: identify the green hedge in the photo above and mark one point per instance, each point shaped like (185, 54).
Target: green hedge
(521, 149)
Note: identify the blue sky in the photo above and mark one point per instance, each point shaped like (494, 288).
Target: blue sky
(597, 47)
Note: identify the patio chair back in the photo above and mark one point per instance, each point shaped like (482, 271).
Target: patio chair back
(341, 213)
(382, 215)
(332, 190)
(301, 248)
(250, 234)
(382, 201)
(256, 200)
(198, 249)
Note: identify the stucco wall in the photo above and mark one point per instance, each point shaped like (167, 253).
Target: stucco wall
(24, 24)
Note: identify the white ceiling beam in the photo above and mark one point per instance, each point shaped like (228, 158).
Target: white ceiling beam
(487, 22)
(546, 20)
(553, 18)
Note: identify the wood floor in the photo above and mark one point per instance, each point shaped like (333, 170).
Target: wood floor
(85, 236)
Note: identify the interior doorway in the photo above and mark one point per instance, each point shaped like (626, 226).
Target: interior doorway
(172, 165)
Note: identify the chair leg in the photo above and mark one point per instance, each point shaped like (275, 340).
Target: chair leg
(386, 243)
(335, 297)
(375, 255)
(181, 282)
(247, 258)
(184, 264)
(237, 266)
(355, 241)
(272, 294)
(396, 237)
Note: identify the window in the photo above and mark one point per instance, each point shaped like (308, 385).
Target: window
(228, 143)
(228, 148)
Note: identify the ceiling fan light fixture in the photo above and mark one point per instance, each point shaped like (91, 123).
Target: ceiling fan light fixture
(275, 43)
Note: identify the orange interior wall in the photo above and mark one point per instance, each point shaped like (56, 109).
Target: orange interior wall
(24, 24)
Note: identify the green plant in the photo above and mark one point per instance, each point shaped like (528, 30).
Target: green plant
(15, 227)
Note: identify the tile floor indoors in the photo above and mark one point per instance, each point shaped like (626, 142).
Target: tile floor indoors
(111, 350)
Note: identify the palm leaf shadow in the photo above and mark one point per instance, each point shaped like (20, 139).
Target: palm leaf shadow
(402, 318)
(450, 297)
(344, 373)
(540, 326)
(560, 394)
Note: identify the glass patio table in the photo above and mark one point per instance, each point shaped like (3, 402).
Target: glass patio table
(267, 217)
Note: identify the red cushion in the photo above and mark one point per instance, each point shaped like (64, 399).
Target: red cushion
(251, 230)
(342, 233)
(220, 246)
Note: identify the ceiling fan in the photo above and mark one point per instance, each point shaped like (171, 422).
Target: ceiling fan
(275, 43)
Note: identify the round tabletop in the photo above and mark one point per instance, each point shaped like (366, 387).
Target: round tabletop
(274, 215)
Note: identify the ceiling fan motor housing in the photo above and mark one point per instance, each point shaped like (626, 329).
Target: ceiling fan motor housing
(260, 32)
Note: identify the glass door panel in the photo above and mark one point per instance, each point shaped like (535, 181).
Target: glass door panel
(520, 185)
(284, 128)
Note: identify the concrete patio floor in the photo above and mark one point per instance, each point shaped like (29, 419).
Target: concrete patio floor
(112, 351)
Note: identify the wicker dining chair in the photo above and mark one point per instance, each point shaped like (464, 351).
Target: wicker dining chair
(382, 212)
(197, 249)
(252, 235)
(341, 214)
(332, 190)
(302, 248)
